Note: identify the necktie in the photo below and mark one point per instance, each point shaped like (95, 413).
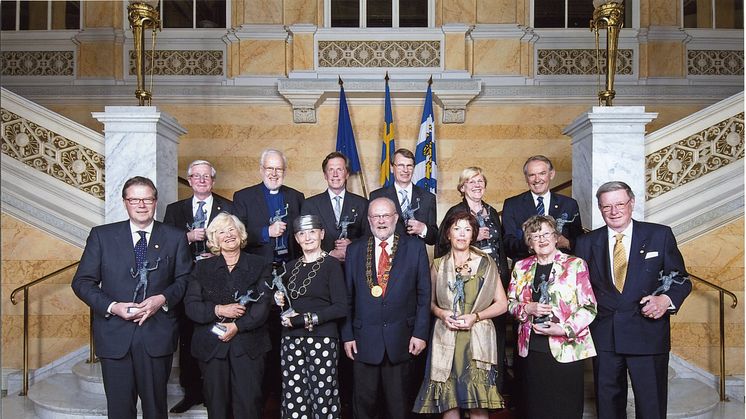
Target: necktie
(199, 216)
(337, 207)
(404, 200)
(141, 248)
(620, 262)
(540, 205)
(383, 267)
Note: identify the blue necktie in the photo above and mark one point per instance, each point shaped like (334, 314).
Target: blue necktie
(540, 205)
(141, 249)
(200, 216)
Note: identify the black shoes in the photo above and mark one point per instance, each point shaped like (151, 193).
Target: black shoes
(185, 404)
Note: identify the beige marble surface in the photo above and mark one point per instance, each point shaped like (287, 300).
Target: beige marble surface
(497, 57)
(301, 11)
(669, 59)
(262, 57)
(103, 14)
(99, 59)
(458, 11)
(663, 12)
(497, 11)
(303, 58)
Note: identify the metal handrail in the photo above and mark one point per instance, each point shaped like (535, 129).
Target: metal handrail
(25, 288)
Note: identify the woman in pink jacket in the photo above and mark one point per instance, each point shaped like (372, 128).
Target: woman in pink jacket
(551, 297)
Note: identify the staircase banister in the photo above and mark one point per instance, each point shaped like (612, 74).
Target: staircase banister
(39, 280)
(719, 288)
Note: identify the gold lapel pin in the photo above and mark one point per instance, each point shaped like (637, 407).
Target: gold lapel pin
(157, 246)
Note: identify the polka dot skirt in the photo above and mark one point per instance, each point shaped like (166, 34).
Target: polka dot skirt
(309, 377)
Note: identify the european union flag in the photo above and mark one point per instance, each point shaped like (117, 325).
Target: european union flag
(345, 136)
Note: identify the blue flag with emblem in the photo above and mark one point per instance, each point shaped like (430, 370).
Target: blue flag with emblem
(425, 166)
(345, 136)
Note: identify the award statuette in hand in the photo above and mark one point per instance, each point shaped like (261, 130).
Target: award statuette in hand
(543, 291)
(141, 273)
(408, 213)
(281, 246)
(344, 224)
(281, 292)
(218, 329)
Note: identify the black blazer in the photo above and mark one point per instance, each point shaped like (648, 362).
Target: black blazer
(212, 284)
(426, 214)
(179, 214)
(519, 208)
(619, 326)
(103, 277)
(386, 324)
(353, 206)
(500, 258)
(250, 207)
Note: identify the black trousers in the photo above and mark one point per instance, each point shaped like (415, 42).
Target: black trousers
(190, 377)
(383, 391)
(649, 375)
(136, 374)
(233, 386)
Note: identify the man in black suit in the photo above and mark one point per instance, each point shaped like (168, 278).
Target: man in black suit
(627, 261)
(192, 215)
(258, 208)
(539, 172)
(336, 206)
(388, 291)
(130, 274)
(408, 196)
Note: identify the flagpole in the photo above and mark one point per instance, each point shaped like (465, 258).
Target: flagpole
(362, 171)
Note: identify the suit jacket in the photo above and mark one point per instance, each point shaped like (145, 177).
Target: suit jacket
(519, 208)
(251, 208)
(427, 213)
(104, 277)
(213, 284)
(179, 214)
(353, 206)
(386, 324)
(619, 325)
(572, 301)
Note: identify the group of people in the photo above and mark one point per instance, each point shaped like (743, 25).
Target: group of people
(310, 293)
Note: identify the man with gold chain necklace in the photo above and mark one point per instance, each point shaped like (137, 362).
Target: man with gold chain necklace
(388, 292)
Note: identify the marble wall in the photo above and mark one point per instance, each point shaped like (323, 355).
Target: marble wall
(58, 320)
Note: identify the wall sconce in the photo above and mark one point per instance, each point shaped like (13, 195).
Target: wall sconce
(143, 15)
(609, 15)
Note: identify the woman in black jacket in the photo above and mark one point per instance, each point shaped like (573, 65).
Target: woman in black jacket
(229, 302)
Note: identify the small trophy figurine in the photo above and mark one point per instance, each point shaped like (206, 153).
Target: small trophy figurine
(563, 220)
(458, 295)
(141, 273)
(199, 222)
(344, 224)
(408, 214)
(281, 293)
(280, 246)
(218, 329)
(668, 280)
(543, 291)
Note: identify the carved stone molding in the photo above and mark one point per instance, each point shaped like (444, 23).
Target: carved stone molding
(695, 156)
(38, 63)
(52, 154)
(182, 63)
(580, 62)
(714, 63)
(396, 54)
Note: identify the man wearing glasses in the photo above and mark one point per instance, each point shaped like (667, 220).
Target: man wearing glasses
(628, 261)
(268, 209)
(388, 293)
(130, 274)
(538, 200)
(192, 215)
(415, 206)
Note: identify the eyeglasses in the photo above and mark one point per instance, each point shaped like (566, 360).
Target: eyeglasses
(138, 201)
(618, 206)
(542, 236)
(384, 217)
(278, 170)
(200, 177)
(475, 182)
(402, 166)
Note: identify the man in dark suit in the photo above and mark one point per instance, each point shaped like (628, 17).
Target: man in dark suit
(130, 274)
(539, 172)
(408, 196)
(627, 260)
(192, 215)
(336, 206)
(388, 289)
(258, 208)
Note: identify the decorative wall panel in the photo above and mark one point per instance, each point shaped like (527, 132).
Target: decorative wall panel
(182, 63)
(714, 63)
(694, 156)
(38, 63)
(358, 54)
(580, 62)
(53, 154)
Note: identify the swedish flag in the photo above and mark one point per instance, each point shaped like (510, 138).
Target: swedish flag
(387, 146)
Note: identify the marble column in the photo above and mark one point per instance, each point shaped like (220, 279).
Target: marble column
(139, 141)
(608, 143)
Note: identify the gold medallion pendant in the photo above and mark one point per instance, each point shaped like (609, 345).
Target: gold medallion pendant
(376, 291)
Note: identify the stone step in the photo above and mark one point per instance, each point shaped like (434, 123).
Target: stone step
(62, 397)
(90, 379)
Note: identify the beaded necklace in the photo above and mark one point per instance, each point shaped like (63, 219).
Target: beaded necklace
(296, 291)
